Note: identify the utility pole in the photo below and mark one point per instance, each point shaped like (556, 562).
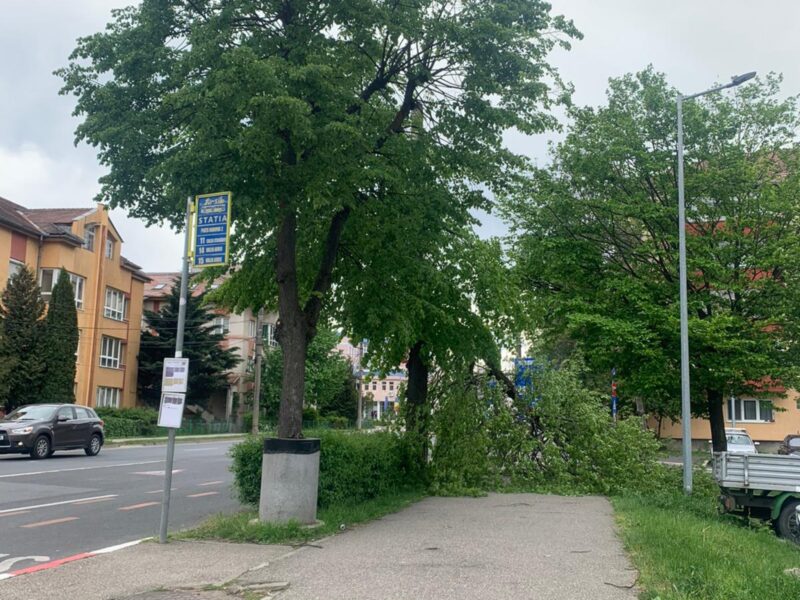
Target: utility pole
(165, 498)
(259, 353)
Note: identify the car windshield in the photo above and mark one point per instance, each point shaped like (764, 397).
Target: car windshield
(31, 413)
(739, 440)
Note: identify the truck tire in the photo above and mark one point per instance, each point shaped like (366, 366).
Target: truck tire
(788, 524)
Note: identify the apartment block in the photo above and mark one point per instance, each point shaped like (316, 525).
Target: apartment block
(108, 290)
(238, 329)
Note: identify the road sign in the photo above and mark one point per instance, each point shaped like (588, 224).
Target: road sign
(175, 377)
(170, 413)
(212, 231)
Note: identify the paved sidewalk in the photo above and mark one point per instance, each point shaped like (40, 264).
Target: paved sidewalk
(509, 546)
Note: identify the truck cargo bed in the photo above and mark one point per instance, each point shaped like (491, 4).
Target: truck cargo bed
(770, 472)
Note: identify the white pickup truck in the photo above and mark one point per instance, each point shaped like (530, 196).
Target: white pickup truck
(765, 486)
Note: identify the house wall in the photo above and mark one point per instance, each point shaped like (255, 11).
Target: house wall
(786, 420)
(99, 272)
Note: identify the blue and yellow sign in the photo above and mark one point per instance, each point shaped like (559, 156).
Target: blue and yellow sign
(212, 230)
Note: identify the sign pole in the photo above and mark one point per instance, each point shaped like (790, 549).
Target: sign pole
(162, 535)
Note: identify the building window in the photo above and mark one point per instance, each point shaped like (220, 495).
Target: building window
(251, 328)
(750, 410)
(374, 386)
(107, 397)
(14, 267)
(383, 385)
(222, 325)
(49, 277)
(109, 247)
(115, 304)
(88, 238)
(391, 386)
(110, 352)
(269, 335)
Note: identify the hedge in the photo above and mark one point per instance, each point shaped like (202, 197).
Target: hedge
(129, 422)
(354, 466)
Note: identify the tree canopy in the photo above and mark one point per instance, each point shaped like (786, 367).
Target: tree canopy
(317, 115)
(209, 362)
(596, 242)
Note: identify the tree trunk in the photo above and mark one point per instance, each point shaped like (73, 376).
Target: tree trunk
(291, 332)
(717, 420)
(416, 390)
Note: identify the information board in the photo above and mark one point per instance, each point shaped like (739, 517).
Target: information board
(170, 413)
(212, 230)
(175, 377)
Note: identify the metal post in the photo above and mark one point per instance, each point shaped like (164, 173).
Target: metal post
(259, 353)
(162, 535)
(686, 407)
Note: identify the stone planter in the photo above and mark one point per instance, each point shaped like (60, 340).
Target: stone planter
(289, 480)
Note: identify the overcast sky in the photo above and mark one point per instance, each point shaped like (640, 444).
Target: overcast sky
(695, 42)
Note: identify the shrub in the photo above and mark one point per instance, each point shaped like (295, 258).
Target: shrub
(354, 467)
(560, 439)
(129, 422)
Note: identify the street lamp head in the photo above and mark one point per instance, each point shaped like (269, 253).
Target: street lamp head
(740, 79)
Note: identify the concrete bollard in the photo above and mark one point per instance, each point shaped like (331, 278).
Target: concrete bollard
(289, 480)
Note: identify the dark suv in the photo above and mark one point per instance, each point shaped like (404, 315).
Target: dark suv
(790, 444)
(41, 429)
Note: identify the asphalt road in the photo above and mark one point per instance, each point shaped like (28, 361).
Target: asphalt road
(72, 503)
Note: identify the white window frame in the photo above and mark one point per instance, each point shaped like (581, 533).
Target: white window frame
(269, 335)
(78, 285)
(109, 247)
(89, 237)
(741, 412)
(14, 267)
(111, 352)
(251, 328)
(222, 325)
(107, 397)
(116, 304)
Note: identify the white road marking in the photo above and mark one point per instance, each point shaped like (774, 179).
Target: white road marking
(160, 491)
(11, 510)
(203, 449)
(146, 462)
(202, 494)
(10, 562)
(160, 473)
(209, 483)
(118, 547)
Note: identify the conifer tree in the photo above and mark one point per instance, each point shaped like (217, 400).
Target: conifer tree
(209, 362)
(61, 343)
(21, 311)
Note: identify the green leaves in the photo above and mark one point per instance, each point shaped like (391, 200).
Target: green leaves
(60, 350)
(596, 239)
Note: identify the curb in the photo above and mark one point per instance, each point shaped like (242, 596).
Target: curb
(154, 441)
(75, 557)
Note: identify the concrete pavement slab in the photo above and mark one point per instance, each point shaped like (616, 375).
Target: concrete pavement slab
(140, 569)
(508, 546)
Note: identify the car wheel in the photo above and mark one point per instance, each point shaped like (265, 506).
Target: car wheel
(41, 448)
(788, 524)
(93, 449)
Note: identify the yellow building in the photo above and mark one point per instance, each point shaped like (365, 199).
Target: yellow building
(767, 420)
(108, 290)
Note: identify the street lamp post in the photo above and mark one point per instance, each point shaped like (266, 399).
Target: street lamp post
(686, 413)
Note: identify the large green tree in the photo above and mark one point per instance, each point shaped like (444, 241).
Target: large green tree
(330, 385)
(61, 343)
(209, 362)
(21, 311)
(312, 112)
(597, 242)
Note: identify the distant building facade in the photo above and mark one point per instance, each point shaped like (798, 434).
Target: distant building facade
(380, 393)
(239, 331)
(108, 290)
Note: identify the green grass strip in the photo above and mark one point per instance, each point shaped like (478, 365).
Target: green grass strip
(683, 550)
(238, 527)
